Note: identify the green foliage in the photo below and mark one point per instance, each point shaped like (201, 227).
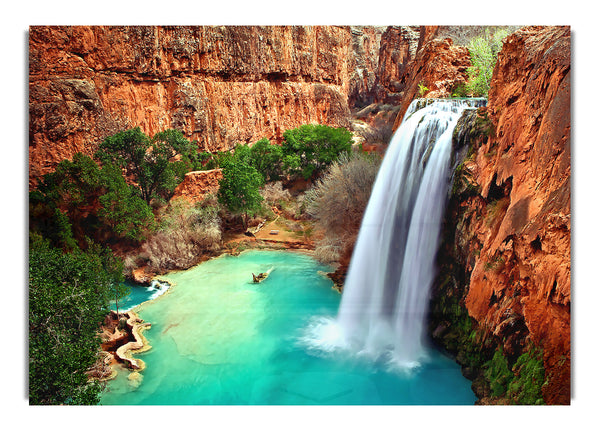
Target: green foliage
(239, 187)
(521, 383)
(484, 52)
(80, 200)
(460, 91)
(122, 209)
(526, 388)
(68, 299)
(498, 374)
(148, 161)
(422, 89)
(266, 158)
(309, 149)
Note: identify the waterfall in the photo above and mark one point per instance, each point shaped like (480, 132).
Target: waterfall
(384, 303)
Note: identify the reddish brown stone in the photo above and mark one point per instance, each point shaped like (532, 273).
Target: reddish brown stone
(524, 265)
(198, 184)
(439, 66)
(218, 85)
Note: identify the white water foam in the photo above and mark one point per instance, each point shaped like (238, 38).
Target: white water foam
(384, 303)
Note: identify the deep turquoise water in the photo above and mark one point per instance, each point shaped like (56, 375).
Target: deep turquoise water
(217, 338)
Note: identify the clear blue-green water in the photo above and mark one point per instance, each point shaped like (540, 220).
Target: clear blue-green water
(139, 294)
(217, 338)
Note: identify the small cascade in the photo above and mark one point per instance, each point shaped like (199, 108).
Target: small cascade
(384, 303)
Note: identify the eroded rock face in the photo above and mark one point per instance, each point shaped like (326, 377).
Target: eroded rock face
(439, 66)
(219, 85)
(520, 222)
(398, 50)
(198, 184)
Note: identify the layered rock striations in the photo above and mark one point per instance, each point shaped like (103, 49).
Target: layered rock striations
(512, 220)
(219, 85)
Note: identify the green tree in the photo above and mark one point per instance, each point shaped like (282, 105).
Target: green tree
(239, 188)
(147, 161)
(68, 299)
(80, 200)
(484, 54)
(309, 149)
(121, 209)
(266, 159)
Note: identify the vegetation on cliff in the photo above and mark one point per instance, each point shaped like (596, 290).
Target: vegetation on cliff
(69, 295)
(149, 162)
(81, 201)
(484, 54)
(504, 369)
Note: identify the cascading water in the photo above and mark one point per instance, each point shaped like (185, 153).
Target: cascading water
(384, 303)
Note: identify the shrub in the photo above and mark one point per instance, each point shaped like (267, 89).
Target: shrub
(339, 198)
(186, 231)
(498, 374)
(484, 52)
(273, 193)
(526, 388)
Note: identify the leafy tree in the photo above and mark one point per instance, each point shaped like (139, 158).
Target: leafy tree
(147, 162)
(266, 159)
(122, 210)
(80, 200)
(68, 299)
(484, 53)
(239, 187)
(309, 149)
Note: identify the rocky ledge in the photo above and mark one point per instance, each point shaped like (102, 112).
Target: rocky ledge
(121, 338)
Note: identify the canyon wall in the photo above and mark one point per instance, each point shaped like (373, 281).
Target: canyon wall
(509, 225)
(218, 85)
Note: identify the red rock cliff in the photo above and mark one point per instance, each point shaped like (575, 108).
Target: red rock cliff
(439, 66)
(219, 85)
(522, 218)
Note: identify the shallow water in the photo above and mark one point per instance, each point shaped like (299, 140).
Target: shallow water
(139, 294)
(217, 338)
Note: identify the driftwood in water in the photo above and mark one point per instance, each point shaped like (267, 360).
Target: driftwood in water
(260, 277)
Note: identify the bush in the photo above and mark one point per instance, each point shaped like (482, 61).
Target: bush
(526, 388)
(484, 52)
(498, 374)
(274, 193)
(339, 198)
(185, 233)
